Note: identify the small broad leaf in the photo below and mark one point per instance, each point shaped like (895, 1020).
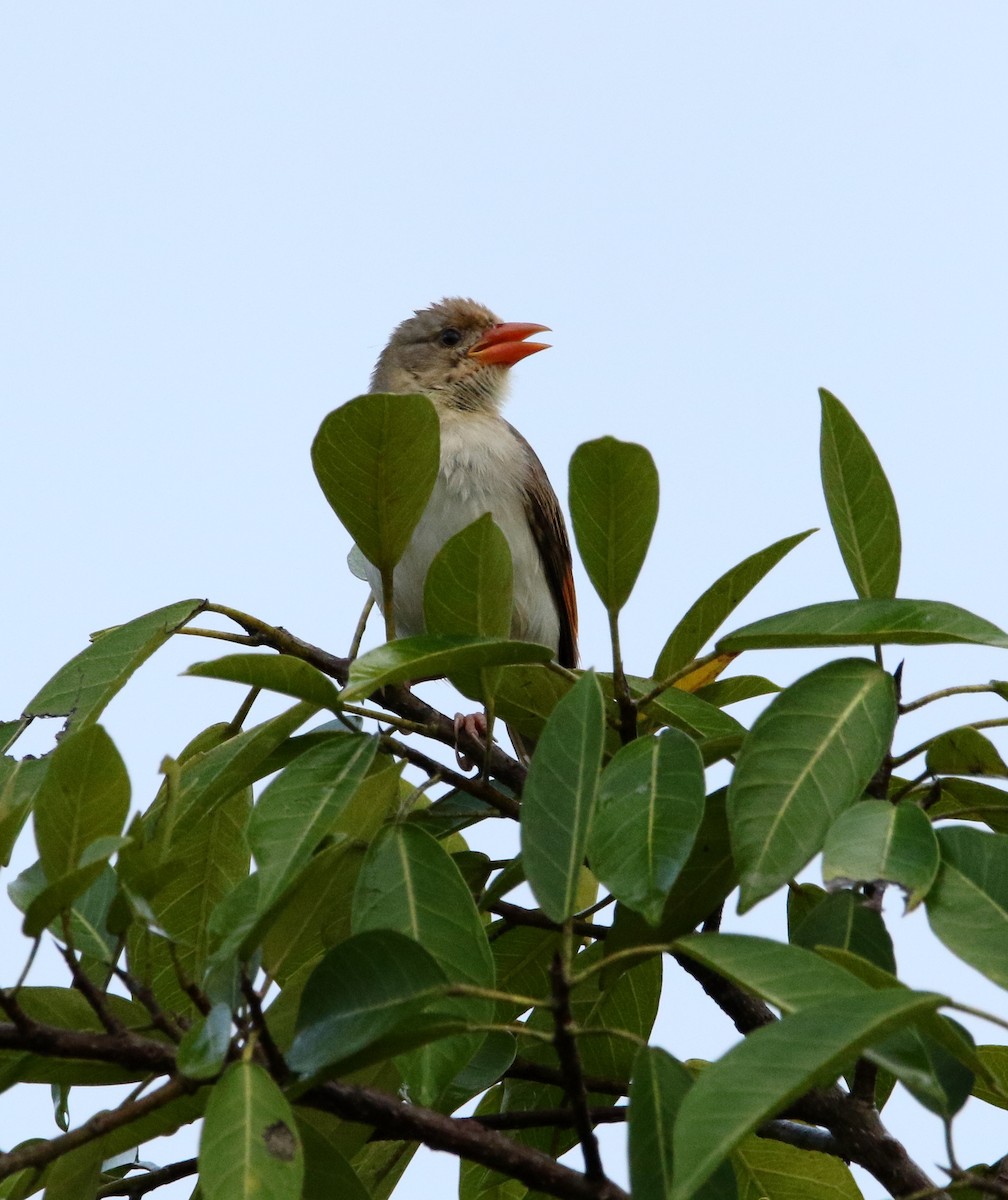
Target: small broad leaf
(712, 609)
(965, 751)
(808, 756)
(409, 883)
(82, 688)
(876, 842)
(657, 1087)
(301, 806)
(844, 921)
(559, 797)
(867, 623)
(360, 991)
(650, 805)
(249, 1148)
(614, 506)
(204, 1047)
(281, 673)
(770, 1170)
(432, 657)
(861, 505)
(85, 796)
(968, 905)
(468, 585)
(773, 1066)
(376, 459)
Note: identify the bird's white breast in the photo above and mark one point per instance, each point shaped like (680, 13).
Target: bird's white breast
(483, 469)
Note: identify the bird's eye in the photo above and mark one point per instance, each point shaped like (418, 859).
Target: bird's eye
(450, 337)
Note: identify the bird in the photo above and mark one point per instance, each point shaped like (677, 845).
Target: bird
(458, 353)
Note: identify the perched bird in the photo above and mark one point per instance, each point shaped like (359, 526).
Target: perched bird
(458, 353)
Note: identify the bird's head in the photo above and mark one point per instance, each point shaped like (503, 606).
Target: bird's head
(457, 352)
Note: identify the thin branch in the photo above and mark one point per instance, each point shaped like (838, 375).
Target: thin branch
(140, 991)
(962, 690)
(991, 723)
(87, 989)
(125, 1050)
(570, 1066)
(278, 1067)
(37, 1154)
(549, 1118)
(514, 914)
(461, 1137)
(473, 786)
(135, 1186)
(521, 1068)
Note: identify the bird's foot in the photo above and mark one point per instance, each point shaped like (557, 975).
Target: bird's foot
(473, 725)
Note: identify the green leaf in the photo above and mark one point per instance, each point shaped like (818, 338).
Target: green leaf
(469, 583)
(20, 781)
(844, 921)
(204, 1047)
(409, 883)
(81, 689)
(650, 805)
(867, 623)
(808, 757)
(58, 897)
(376, 459)
(861, 505)
(657, 1088)
(249, 1148)
(361, 990)
(75, 1174)
(879, 842)
(964, 751)
(769, 1170)
(409, 660)
(301, 805)
(686, 711)
(614, 506)
(968, 905)
(706, 615)
(995, 1089)
(275, 673)
(85, 796)
(773, 1066)
(969, 800)
(559, 797)
(327, 1172)
(735, 689)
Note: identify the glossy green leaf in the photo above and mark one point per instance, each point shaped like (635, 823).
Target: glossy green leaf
(468, 585)
(683, 710)
(85, 796)
(970, 800)
(526, 695)
(409, 883)
(968, 905)
(249, 1147)
(808, 757)
(770, 1170)
(867, 623)
(559, 797)
(657, 1087)
(274, 673)
(376, 459)
(361, 990)
(429, 656)
(735, 689)
(876, 842)
(773, 1066)
(202, 1051)
(328, 1175)
(81, 689)
(706, 615)
(75, 1174)
(20, 781)
(861, 504)
(650, 805)
(614, 506)
(302, 804)
(965, 751)
(843, 920)
(993, 1090)
(59, 897)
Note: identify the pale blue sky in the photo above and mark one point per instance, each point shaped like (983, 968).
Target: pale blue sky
(212, 215)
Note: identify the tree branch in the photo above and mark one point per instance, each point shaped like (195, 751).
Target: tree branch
(570, 1066)
(135, 1186)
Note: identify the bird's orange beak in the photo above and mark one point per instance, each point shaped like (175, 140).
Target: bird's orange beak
(505, 344)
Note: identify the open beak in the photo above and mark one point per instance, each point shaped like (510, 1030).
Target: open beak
(505, 344)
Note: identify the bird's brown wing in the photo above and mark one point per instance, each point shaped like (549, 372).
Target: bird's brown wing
(550, 534)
